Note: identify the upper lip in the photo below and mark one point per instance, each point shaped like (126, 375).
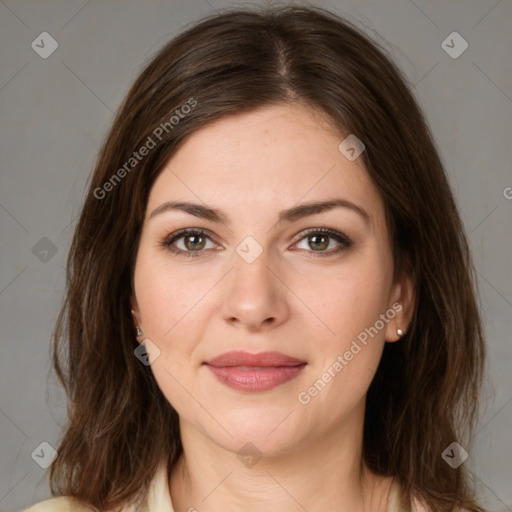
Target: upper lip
(262, 359)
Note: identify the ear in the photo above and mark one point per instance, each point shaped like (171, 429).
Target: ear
(135, 311)
(402, 301)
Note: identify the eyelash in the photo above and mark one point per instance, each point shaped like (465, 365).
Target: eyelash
(344, 241)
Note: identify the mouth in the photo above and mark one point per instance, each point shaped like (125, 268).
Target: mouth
(254, 372)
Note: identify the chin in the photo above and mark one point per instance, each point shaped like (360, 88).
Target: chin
(270, 431)
(257, 445)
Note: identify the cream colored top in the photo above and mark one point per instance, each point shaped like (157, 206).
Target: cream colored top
(159, 499)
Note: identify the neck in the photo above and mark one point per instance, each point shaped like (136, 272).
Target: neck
(319, 474)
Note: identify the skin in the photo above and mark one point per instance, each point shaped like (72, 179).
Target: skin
(290, 299)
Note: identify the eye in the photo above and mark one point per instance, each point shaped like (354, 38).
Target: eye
(319, 239)
(194, 241)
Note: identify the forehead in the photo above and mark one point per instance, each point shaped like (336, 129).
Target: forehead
(265, 160)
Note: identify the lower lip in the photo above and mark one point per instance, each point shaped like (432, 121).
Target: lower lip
(255, 378)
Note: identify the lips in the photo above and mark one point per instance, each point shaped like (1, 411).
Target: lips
(254, 372)
(263, 359)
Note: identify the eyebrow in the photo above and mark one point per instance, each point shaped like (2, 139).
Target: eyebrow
(285, 216)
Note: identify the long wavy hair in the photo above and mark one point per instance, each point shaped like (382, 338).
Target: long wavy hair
(425, 392)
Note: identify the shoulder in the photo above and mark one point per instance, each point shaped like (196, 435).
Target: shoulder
(68, 504)
(396, 503)
(59, 504)
(417, 506)
(158, 499)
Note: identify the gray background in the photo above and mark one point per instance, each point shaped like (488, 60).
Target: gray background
(56, 111)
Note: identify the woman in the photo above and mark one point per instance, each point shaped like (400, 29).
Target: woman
(270, 298)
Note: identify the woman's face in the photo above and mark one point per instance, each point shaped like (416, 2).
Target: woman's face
(265, 280)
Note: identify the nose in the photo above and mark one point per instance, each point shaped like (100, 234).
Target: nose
(256, 297)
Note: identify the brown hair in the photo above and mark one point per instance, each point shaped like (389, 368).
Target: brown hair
(424, 394)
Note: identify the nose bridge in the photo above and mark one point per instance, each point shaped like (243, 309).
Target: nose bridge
(254, 295)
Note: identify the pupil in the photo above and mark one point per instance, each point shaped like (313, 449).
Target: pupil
(193, 244)
(325, 241)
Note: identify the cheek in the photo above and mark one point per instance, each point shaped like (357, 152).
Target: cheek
(347, 360)
(350, 304)
(174, 311)
(350, 299)
(164, 296)
(171, 313)
(331, 396)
